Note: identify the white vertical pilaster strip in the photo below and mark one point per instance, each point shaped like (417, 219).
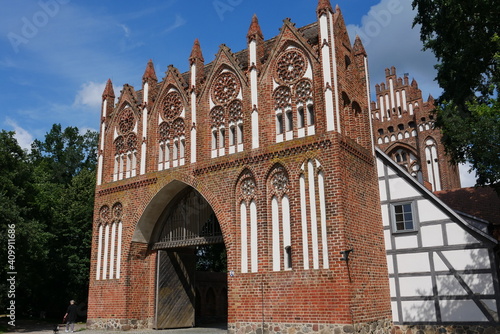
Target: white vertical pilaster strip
(327, 72)
(144, 146)
(244, 237)
(398, 99)
(99, 169)
(105, 257)
(322, 210)
(112, 252)
(101, 145)
(381, 107)
(193, 114)
(387, 106)
(287, 234)
(435, 166)
(254, 250)
(119, 250)
(303, 218)
(391, 93)
(368, 98)
(312, 210)
(276, 234)
(254, 94)
(99, 254)
(405, 106)
(335, 76)
(430, 173)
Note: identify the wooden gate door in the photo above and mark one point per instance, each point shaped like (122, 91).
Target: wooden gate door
(175, 295)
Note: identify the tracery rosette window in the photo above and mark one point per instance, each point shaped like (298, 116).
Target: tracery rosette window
(125, 143)
(293, 96)
(226, 115)
(171, 132)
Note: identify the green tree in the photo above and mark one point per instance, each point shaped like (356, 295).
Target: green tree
(464, 37)
(18, 212)
(64, 179)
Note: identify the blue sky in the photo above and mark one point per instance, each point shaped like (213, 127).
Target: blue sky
(56, 55)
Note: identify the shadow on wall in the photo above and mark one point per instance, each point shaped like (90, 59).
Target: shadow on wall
(462, 290)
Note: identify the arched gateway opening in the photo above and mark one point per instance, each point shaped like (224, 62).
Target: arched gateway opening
(191, 281)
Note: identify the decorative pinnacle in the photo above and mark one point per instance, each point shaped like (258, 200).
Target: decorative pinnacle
(323, 6)
(149, 73)
(196, 52)
(254, 29)
(108, 90)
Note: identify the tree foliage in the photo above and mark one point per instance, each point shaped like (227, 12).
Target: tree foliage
(464, 37)
(49, 196)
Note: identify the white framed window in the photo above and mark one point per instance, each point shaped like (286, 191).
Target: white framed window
(404, 218)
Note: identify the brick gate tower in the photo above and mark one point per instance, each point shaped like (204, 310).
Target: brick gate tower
(266, 152)
(403, 125)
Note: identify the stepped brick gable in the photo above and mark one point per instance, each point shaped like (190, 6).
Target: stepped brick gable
(403, 128)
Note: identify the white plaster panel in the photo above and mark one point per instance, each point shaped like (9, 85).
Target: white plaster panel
(399, 188)
(390, 264)
(385, 215)
(427, 211)
(390, 171)
(413, 263)
(380, 167)
(382, 189)
(415, 286)
(387, 239)
(490, 304)
(404, 241)
(457, 235)
(394, 309)
(460, 310)
(392, 286)
(464, 259)
(449, 285)
(478, 283)
(432, 236)
(418, 311)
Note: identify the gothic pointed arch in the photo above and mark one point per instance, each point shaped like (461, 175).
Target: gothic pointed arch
(226, 115)
(293, 92)
(278, 186)
(313, 215)
(246, 195)
(126, 133)
(170, 124)
(289, 37)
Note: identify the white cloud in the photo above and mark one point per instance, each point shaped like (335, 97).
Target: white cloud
(90, 95)
(179, 22)
(126, 30)
(23, 137)
(389, 39)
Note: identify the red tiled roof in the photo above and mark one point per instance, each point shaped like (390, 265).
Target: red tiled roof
(481, 202)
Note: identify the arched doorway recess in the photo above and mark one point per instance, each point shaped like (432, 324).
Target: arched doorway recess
(191, 286)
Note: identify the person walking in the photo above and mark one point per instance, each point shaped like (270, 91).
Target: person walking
(70, 317)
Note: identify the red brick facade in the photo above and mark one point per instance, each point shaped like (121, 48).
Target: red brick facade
(190, 114)
(403, 127)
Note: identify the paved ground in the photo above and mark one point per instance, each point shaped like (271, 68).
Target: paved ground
(31, 327)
